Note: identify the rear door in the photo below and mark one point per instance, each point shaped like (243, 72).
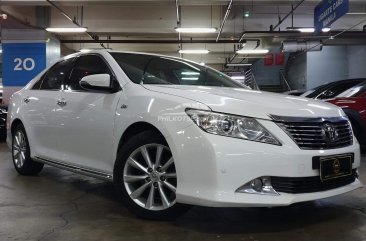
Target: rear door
(39, 107)
(87, 118)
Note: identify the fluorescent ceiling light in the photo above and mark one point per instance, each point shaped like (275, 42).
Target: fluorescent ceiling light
(85, 50)
(196, 30)
(356, 13)
(238, 77)
(194, 51)
(66, 30)
(237, 65)
(189, 78)
(307, 30)
(190, 73)
(252, 51)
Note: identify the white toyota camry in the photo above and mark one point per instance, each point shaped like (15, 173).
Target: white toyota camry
(170, 132)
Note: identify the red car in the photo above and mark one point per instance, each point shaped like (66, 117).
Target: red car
(353, 102)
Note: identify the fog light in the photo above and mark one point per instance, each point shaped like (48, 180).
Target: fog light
(260, 185)
(256, 184)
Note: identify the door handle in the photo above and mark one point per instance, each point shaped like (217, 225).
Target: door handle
(61, 102)
(26, 100)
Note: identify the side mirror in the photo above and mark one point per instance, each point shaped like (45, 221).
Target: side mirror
(97, 82)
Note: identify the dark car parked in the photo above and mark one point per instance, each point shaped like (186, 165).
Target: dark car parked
(3, 113)
(333, 89)
(353, 102)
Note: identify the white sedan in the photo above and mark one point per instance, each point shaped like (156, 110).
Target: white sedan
(170, 132)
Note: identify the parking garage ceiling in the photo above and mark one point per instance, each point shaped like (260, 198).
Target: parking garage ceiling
(149, 26)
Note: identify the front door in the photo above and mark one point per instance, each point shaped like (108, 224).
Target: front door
(87, 118)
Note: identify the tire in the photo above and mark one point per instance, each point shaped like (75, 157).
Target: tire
(21, 153)
(145, 185)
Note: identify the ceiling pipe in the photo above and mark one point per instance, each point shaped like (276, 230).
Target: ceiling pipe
(241, 39)
(63, 13)
(94, 37)
(177, 10)
(152, 41)
(290, 13)
(20, 21)
(178, 25)
(224, 21)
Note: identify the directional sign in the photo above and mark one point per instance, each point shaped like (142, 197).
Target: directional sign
(328, 11)
(22, 62)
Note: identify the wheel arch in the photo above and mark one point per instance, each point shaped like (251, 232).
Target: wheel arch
(136, 128)
(14, 124)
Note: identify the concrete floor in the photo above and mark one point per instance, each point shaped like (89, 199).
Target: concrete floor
(58, 205)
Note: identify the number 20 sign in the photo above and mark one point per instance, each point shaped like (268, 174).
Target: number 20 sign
(22, 62)
(27, 64)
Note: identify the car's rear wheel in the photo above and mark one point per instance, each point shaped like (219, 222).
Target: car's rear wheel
(146, 177)
(21, 153)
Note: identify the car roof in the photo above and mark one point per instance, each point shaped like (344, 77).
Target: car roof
(101, 51)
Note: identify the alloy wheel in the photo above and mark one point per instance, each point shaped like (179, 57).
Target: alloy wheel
(150, 177)
(19, 149)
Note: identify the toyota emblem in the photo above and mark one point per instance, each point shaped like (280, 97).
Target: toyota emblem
(329, 133)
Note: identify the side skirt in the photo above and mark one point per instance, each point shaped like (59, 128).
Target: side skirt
(76, 169)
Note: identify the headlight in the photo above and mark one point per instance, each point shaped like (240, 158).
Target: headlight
(232, 126)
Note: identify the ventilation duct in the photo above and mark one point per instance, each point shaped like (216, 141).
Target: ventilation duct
(295, 46)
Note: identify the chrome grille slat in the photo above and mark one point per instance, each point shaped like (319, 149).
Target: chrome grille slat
(321, 143)
(309, 134)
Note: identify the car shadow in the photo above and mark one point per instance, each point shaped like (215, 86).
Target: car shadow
(224, 220)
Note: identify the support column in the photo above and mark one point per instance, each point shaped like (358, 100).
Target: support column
(26, 52)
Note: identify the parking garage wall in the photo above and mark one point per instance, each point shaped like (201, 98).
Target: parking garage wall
(356, 62)
(297, 72)
(331, 64)
(268, 75)
(328, 65)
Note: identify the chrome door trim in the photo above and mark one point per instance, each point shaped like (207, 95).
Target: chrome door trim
(76, 169)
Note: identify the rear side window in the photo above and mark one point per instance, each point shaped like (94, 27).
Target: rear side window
(56, 76)
(84, 66)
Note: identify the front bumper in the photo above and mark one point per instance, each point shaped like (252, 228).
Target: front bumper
(211, 168)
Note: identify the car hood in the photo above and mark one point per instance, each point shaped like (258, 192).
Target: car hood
(250, 103)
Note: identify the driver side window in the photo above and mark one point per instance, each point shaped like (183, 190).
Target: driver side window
(86, 65)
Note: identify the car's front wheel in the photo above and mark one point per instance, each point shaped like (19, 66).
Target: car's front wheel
(21, 153)
(146, 177)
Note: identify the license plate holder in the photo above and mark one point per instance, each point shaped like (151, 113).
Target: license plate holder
(336, 166)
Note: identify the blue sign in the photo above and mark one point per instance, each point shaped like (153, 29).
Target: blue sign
(22, 62)
(328, 11)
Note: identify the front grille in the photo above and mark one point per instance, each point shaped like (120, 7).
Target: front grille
(319, 134)
(309, 184)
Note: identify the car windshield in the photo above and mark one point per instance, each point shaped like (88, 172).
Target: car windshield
(151, 69)
(333, 89)
(354, 91)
